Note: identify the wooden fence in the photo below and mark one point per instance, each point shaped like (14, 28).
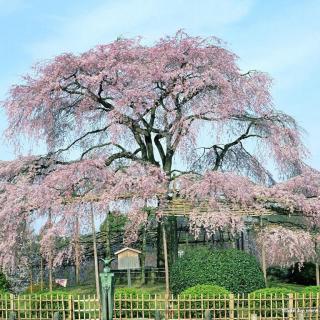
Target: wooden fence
(231, 307)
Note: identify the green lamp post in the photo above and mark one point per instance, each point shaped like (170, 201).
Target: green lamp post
(107, 292)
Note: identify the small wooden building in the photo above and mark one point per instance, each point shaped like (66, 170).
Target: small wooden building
(128, 258)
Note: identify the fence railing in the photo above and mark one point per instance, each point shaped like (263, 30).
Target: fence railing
(152, 275)
(44, 307)
(227, 307)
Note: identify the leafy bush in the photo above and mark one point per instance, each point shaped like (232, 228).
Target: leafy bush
(199, 302)
(4, 283)
(308, 298)
(311, 291)
(270, 302)
(232, 269)
(205, 290)
(127, 299)
(271, 292)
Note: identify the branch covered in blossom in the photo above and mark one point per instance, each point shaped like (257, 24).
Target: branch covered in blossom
(286, 247)
(132, 102)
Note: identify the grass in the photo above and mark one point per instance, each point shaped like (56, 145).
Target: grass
(292, 286)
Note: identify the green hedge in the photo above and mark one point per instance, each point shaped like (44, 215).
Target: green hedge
(270, 302)
(271, 292)
(198, 302)
(232, 269)
(310, 297)
(130, 297)
(205, 290)
(312, 290)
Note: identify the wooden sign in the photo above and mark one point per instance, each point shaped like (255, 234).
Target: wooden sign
(128, 258)
(61, 282)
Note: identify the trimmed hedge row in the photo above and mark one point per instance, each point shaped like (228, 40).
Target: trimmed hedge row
(232, 269)
(205, 290)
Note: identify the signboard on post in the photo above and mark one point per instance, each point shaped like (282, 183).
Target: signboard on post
(128, 259)
(61, 282)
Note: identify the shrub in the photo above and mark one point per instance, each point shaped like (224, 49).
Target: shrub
(199, 301)
(270, 302)
(205, 290)
(308, 298)
(311, 290)
(232, 269)
(271, 292)
(128, 299)
(4, 283)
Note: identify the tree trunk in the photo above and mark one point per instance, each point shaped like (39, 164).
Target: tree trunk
(95, 254)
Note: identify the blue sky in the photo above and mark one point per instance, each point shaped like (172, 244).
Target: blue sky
(281, 37)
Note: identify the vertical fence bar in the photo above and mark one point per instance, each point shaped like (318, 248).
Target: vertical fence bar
(290, 307)
(231, 306)
(70, 306)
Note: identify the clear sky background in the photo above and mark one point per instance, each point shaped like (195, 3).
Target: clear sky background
(281, 37)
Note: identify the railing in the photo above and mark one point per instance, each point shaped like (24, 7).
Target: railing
(152, 275)
(44, 307)
(233, 307)
(227, 307)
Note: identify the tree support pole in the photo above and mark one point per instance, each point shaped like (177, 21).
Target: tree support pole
(77, 251)
(263, 258)
(95, 253)
(165, 253)
(50, 262)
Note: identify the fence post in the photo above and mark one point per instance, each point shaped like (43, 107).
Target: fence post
(207, 315)
(152, 276)
(70, 304)
(12, 315)
(290, 307)
(254, 316)
(11, 302)
(157, 315)
(300, 315)
(231, 306)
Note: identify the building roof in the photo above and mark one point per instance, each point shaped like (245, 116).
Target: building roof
(127, 249)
